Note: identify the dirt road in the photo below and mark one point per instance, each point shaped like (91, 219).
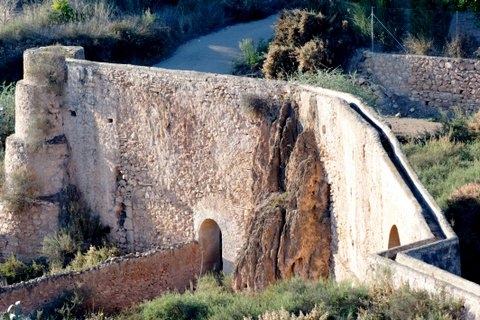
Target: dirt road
(215, 52)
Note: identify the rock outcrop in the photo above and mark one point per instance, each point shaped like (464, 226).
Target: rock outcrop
(290, 232)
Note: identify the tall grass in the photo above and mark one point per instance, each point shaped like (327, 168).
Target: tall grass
(448, 162)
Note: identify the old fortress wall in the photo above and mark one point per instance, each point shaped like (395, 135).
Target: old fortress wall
(170, 157)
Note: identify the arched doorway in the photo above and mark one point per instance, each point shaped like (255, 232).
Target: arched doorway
(394, 238)
(210, 240)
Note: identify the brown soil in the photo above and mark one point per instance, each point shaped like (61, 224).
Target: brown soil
(413, 128)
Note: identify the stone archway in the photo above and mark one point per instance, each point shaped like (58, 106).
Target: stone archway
(210, 240)
(393, 238)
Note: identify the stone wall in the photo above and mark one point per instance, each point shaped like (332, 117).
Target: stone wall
(369, 193)
(419, 275)
(156, 153)
(116, 284)
(434, 83)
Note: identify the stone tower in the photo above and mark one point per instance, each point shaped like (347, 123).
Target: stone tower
(37, 154)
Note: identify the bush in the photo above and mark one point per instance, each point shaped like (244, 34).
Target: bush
(14, 270)
(251, 61)
(21, 190)
(81, 232)
(309, 41)
(62, 11)
(419, 45)
(92, 257)
(461, 46)
(69, 304)
(7, 112)
(59, 249)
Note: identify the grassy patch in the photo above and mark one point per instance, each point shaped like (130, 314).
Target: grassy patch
(443, 165)
(291, 298)
(335, 79)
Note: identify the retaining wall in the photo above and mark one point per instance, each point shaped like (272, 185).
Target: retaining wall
(430, 82)
(116, 284)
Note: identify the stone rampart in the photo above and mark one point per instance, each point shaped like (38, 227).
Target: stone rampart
(115, 284)
(428, 82)
(158, 153)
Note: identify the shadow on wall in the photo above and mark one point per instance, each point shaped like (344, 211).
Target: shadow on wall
(210, 240)
(463, 213)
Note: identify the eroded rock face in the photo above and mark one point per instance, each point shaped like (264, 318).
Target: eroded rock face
(290, 233)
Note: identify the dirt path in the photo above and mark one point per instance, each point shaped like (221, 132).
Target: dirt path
(215, 52)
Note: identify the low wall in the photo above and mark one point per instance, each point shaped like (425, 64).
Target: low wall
(419, 275)
(433, 82)
(116, 284)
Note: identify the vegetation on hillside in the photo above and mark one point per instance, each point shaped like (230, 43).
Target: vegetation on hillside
(449, 167)
(288, 299)
(122, 31)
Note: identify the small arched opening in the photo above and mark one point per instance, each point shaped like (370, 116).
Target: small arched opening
(394, 238)
(210, 240)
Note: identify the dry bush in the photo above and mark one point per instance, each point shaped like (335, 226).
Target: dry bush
(312, 55)
(281, 62)
(419, 45)
(7, 10)
(462, 46)
(308, 40)
(21, 189)
(296, 27)
(473, 125)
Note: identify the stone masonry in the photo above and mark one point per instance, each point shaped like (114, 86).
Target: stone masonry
(158, 154)
(441, 84)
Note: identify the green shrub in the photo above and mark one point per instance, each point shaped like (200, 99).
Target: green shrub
(59, 249)
(14, 270)
(251, 60)
(21, 190)
(69, 304)
(7, 112)
(92, 257)
(62, 11)
(449, 161)
(176, 306)
(81, 232)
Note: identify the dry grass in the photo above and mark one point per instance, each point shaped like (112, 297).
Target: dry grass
(21, 189)
(419, 45)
